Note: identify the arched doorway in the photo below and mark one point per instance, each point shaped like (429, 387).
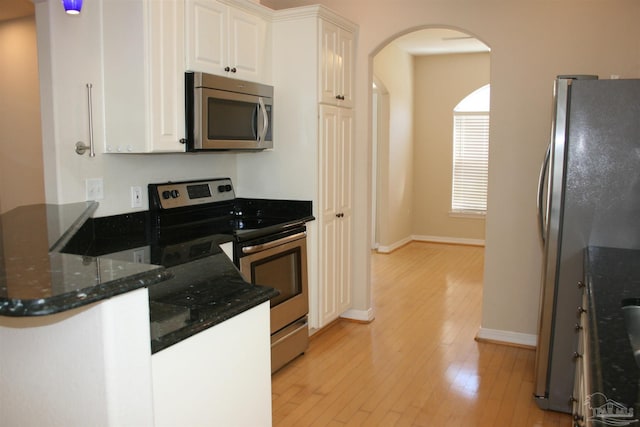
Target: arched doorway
(426, 73)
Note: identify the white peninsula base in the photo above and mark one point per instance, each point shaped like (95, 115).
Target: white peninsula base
(93, 366)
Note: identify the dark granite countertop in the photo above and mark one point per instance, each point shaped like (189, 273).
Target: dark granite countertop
(36, 279)
(55, 258)
(612, 275)
(201, 294)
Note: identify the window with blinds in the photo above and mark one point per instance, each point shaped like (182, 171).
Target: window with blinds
(471, 153)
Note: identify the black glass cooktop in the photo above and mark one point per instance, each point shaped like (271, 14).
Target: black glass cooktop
(189, 230)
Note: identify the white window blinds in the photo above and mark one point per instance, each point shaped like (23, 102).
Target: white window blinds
(470, 162)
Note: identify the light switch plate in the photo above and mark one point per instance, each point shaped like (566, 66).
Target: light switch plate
(94, 189)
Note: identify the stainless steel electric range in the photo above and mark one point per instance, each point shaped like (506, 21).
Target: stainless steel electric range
(189, 221)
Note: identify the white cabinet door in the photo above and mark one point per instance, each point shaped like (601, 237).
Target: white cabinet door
(166, 79)
(329, 214)
(344, 191)
(346, 49)
(206, 45)
(328, 58)
(336, 65)
(143, 50)
(246, 45)
(225, 41)
(336, 148)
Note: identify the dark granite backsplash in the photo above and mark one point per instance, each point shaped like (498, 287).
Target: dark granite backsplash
(105, 235)
(274, 208)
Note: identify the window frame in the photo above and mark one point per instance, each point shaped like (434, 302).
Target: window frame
(475, 164)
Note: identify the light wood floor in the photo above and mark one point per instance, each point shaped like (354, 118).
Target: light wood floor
(417, 363)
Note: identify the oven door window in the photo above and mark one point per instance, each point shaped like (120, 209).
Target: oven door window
(282, 271)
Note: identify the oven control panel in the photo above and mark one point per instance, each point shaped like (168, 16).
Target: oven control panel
(190, 193)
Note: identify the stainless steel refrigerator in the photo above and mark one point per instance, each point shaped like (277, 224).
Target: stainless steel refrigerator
(589, 194)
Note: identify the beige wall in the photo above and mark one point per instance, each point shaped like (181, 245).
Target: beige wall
(414, 156)
(441, 82)
(531, 42)
(394, 69)
(21, 177)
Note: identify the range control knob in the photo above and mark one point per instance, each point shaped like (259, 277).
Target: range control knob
(224, 188)
(175, 194)
(166, 194)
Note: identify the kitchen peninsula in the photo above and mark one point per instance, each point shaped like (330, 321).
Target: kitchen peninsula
(75, 336)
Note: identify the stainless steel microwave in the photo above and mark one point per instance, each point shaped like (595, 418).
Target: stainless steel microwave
(227, 114)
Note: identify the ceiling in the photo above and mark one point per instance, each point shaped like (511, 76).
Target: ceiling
(431, 41)
(438, 41)
(12, 9)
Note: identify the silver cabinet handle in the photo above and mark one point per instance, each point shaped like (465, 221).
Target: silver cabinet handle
(81, 147)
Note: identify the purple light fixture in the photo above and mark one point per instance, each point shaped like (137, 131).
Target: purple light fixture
(72, 7)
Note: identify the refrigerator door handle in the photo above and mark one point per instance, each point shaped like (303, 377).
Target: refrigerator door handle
(544, 168)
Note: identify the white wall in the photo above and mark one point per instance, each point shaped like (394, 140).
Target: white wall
(531, 42)
(21, 176)
(394, 68)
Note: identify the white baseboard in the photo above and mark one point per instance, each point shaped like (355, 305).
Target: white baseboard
(360, 315)
(388, 249)
(435, 239)
(507, 337)
(451, 240)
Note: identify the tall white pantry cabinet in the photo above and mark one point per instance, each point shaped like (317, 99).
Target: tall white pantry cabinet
(314, 95)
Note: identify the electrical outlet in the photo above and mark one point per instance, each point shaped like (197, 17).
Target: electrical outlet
(94, 189)
(136, 197)
(138, 256)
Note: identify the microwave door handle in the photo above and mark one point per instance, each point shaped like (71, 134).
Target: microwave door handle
(265, 120)
(254, 123)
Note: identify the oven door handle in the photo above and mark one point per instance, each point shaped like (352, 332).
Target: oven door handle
(264, 246)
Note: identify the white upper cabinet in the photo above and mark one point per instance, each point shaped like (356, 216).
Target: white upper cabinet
(336, 65)
(226, 40)
(206, 38)
(147, 47)
(143, 53)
